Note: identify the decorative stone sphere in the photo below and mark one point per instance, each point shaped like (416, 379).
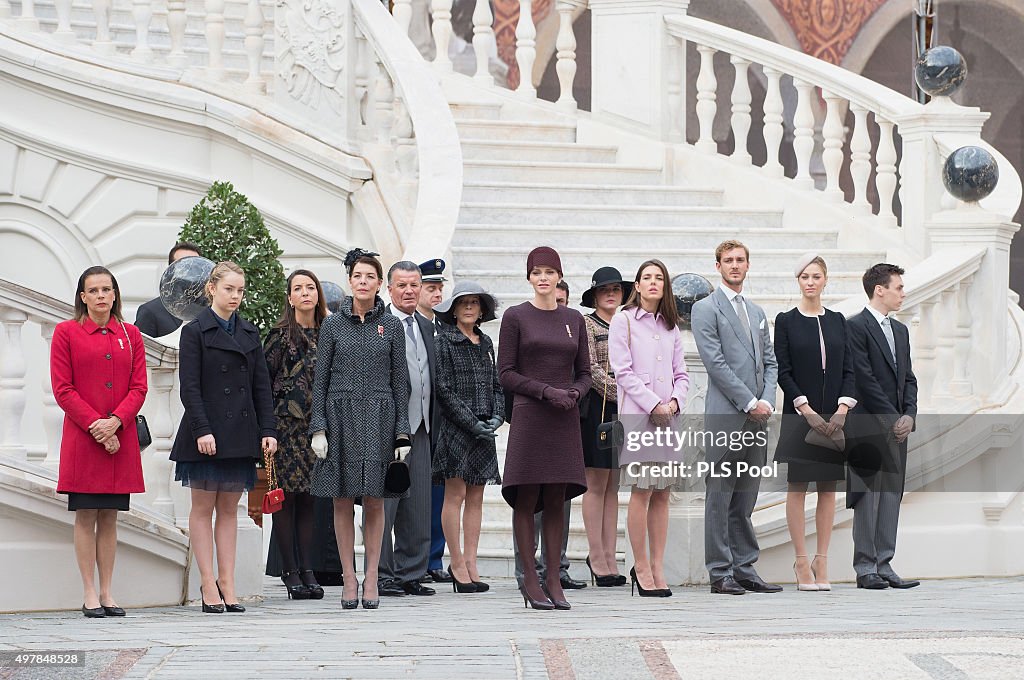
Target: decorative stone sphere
(183, 287)
(940, 71)
(687, 289)
(970, 173)
(333, 295)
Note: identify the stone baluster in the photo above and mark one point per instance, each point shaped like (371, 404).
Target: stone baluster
(566, 66)
(215, 39)
(53, 416)
(102, 43)
(402, 12)
(707, 93)
(28, 20)
(526, 49)
(961, 385)
(176, 21)
(483, 38)
(885, 171)
(923, 345)
(384, 102)
(740, 110)
(676, 106)
(406, 161)
(773, 130)
(142, 14)
(362, 109)
(441, 11)
(158, 466)
(832, 153)
(945, 351)
(5, 9)
(860, 158)
(63, 33)
(254, 25)
(803, 134)
(12, 383)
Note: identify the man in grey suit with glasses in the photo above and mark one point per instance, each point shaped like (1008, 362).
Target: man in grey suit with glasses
(734, 343)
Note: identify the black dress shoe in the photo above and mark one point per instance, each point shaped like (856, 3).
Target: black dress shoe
(728, 586)
(758, 585)
(112, 611)
(390, 588)
(414, 588)
(439, 576)
(872, 582)
(571, 583)
(895, 581)
(93, 613)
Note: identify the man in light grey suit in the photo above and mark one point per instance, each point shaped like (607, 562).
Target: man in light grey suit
(734, 343)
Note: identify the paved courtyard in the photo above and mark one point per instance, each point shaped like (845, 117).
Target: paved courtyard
(949, 630)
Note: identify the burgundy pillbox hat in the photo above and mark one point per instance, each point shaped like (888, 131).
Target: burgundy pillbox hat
(543, 256)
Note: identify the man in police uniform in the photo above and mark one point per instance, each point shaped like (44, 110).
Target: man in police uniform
(431, 292)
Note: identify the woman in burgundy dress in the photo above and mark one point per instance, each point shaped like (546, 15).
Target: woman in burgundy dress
(544, 361)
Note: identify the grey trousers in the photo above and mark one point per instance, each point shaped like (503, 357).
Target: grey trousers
(405, 558)
(563, 570)
(875, 519)
(730, 543)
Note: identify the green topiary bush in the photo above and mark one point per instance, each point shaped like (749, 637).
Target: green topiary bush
(226, 226)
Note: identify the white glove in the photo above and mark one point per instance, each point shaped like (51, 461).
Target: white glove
(402, 447)
(319, 444)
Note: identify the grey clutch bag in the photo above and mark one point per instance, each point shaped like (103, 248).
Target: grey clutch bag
(836, 442)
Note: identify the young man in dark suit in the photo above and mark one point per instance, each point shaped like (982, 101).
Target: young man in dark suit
(152, 318)
(883, 419)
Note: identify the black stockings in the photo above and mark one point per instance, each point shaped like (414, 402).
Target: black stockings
(552, 519)
(295, 520)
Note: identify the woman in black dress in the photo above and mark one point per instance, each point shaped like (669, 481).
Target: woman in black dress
(601, 501)
(816, 374)
(473, 407)
(229, 418)
(291, 355)
(544, 360)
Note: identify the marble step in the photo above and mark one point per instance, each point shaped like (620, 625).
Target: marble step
(486, 129)
(767, 282)
(475, 110)
(517, 150)
(596, 194)
(623, 217)
(564, 174)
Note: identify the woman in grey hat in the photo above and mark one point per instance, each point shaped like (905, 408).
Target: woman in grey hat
(606, 294)
(473, 406)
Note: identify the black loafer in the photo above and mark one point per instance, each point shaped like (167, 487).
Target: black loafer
(438, 576)
(728, 586)
(758, 585)
(112, 611)
(571, 583)
(895, 581)
(390, 589)
(414, 588)
(872, 582)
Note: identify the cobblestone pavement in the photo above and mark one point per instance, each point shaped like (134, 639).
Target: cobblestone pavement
(949, 630)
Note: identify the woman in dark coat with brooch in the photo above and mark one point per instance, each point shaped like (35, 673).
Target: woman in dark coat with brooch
(473, 407)
(98, 375)
(291, 356)
(816, 375)
(360, 417)
(544, 360)
(229, 417)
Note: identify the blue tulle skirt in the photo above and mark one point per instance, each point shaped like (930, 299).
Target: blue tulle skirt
(231, 474)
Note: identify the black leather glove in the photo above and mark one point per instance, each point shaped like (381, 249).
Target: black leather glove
(481, 431)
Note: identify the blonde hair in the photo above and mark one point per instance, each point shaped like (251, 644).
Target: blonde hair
(818, 261)
(726, 246)
(220, 270)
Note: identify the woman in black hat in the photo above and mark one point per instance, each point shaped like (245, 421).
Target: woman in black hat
(601, 501)
(465, 457)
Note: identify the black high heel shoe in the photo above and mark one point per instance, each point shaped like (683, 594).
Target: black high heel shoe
(299, 591)
(211, 608)
(653, 592)
(234, 608)
(316, 592)
(351, 604)
(536, 604)
(559, 604)
(606, 580)
(461, 587)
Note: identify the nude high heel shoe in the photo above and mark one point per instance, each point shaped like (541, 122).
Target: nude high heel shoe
(822, 585)
(805, 587)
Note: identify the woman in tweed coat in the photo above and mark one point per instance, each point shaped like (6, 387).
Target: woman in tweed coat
(473, 407)
(360, 412)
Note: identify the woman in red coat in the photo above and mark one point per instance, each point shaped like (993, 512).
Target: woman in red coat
(98, 373)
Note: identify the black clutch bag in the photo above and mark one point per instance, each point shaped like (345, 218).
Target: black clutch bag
(396, 479)
(142, 428)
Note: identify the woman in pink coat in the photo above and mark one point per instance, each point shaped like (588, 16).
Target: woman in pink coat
(98, 374)
(645, 351)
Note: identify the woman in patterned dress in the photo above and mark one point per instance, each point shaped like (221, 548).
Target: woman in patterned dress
(544, 360)
(291, 354)
(473, 407)
(360, 417)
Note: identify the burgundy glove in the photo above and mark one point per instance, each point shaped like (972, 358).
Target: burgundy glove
(559, 398)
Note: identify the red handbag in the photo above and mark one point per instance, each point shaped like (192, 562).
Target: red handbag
(274, 497)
